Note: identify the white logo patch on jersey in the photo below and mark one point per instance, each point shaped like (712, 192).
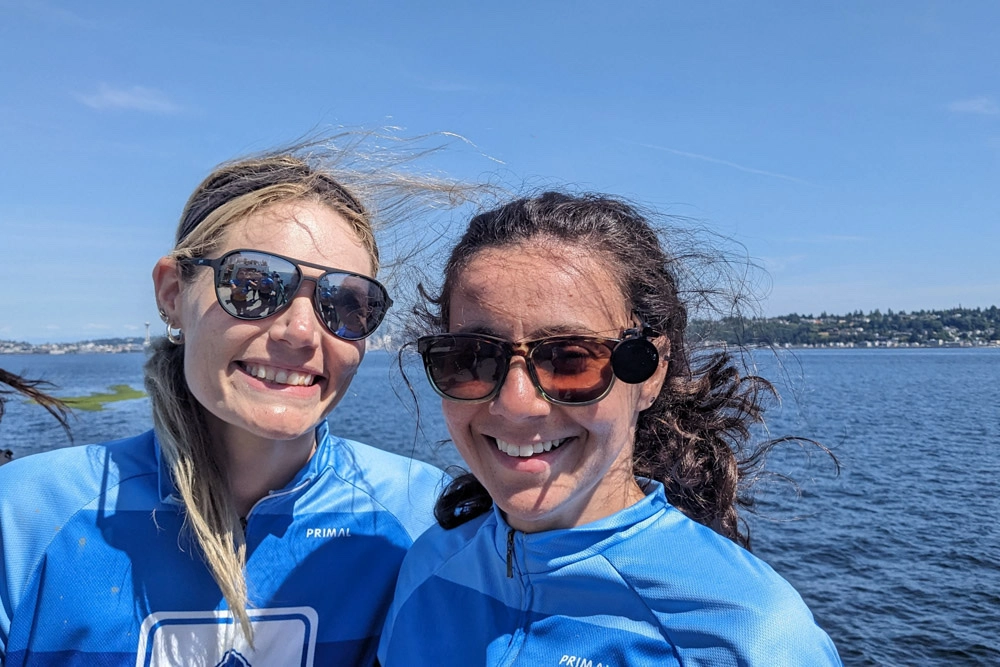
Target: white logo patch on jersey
(284, 637)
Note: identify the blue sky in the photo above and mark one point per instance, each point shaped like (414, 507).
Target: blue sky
(853, 148)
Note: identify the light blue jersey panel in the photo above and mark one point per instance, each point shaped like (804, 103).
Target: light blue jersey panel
(645, 586)
(98, 570)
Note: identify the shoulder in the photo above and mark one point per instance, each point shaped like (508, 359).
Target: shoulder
(726, 594)
(441, 577)
(78, 472)
(357, 462)
(406, 488)
(439, 545)
(449, 555)
(47, 495)
(50, 487)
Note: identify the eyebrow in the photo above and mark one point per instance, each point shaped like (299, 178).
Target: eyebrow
(542, 332)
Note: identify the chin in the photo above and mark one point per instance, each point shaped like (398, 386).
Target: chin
(291, 432)
(283, 426)
(525, 507)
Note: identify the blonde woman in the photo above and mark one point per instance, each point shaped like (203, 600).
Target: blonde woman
(239, 530)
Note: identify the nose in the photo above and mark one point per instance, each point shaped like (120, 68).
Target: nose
(298, 324)
(518, 398)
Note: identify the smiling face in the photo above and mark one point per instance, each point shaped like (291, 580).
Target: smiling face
(272, 379)
(525, 292)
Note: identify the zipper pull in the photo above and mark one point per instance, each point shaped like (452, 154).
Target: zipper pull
(510, 553)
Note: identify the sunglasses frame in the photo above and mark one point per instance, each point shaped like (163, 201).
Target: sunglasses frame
(511, 350)
(217, 268)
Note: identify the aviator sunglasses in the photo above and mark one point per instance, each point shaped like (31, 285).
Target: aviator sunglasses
(566, 370)
(253, 285)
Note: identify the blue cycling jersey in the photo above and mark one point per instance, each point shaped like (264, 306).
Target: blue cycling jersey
(98, 571)
(645, 586)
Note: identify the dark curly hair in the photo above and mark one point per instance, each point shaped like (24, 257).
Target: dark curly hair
(696, 436)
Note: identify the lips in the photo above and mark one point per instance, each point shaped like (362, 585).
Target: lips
(524, 451)
(278, 375)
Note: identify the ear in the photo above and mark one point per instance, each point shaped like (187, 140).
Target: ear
(167, 285)
(650, 389)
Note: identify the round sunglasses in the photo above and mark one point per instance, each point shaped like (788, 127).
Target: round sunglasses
(566, 370)
(253, 285)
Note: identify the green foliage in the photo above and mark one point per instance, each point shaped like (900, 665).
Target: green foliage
(957, 326)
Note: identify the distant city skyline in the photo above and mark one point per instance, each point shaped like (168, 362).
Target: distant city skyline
(951, 327)
(852, 151)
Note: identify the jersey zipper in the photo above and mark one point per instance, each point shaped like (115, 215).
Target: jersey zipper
(520, 633)
(244, 520)
(510, 553)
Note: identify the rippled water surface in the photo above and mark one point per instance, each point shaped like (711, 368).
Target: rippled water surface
(898, 556)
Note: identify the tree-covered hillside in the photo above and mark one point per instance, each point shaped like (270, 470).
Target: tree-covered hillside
(954, 327)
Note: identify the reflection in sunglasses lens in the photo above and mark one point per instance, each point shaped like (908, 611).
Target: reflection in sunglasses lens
(566, 369)
(573, 370)
(254, 285)
(468, 369)
(353, 305)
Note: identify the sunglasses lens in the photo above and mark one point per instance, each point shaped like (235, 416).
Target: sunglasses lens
(255, 285)
(464, 368)
(573, 370)
(352, 306)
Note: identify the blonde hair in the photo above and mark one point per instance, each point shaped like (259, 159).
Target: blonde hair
(228, 196)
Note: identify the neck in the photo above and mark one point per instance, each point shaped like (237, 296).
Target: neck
(256, 466)
(598, 505)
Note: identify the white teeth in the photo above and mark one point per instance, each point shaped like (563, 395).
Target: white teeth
(279, 375)
(524, 451)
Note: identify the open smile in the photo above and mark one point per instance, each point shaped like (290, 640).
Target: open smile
(524, 451)
(278, 375)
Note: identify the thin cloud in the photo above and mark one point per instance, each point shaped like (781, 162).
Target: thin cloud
(986, 106)
(49, 13)
(135, 98)
(843, 238)
(827, 238)
(726, 163)
(777, 264)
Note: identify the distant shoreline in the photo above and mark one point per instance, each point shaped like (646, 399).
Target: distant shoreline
(56, 349)
(954, 328)
(117, 346)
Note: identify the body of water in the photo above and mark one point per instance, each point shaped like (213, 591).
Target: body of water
(898, 556)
